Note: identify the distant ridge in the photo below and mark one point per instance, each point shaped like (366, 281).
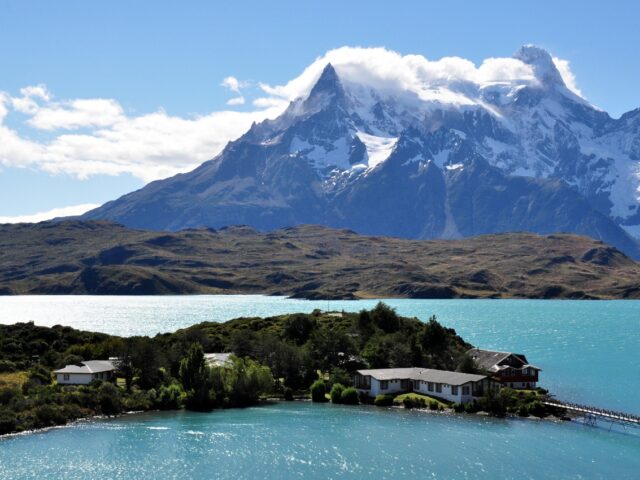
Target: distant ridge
(76, 257)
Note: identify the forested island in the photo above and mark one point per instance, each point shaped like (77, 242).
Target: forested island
(286, 357)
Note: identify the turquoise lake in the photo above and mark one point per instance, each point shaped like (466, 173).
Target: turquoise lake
(589, 352)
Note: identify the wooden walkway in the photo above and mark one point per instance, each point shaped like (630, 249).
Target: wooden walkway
(594, 413)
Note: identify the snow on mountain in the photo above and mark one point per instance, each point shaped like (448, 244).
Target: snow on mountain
(374, 132)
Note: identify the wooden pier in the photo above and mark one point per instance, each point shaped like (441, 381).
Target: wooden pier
(593, 414)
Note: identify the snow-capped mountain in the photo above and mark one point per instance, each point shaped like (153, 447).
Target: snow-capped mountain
(427, 157)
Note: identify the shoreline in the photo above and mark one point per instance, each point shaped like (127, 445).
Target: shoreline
(448, 411)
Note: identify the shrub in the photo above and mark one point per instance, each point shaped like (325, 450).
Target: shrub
(336, 393)
(7, 366)
(109, 398)
(458, 407)
(433, 405)
(40, 375)
(349, 396)
(8, 421)
(537, 409)
(7, 394)
(407, 402)
(523, 411)
(383, 401)
(288, 394)
(170, 397)
(48, 415)
(318, 390)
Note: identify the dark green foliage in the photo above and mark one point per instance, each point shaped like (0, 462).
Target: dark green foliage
(458, 407)
(336, 393)
(170, 397)
(349, 396)
(414, 402)
(40, 375)
(193, 369)
(8, 421)
(318, 391)
(385, 318)
(109, 398)
(467, 364)
(8, 366)
(48, 415)
(288, 394)
(433, 335)
(433, 405)
(383, 400)
(245, 381)
(298, 328)
(195, 378)
(340, 375)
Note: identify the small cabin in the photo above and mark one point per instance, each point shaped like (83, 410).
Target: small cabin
(86, 372)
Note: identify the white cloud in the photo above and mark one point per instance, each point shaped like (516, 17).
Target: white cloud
(236, 101)
(48, 215)
(567, 75)
(156, 145)
(386, 70)
(233, 84)
(93, 112)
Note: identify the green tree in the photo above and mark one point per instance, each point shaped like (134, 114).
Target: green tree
(467, 364)
(349, 396)
(385, 317)
(193, 368)
(318, 391)
(336, 393)
(298, 328)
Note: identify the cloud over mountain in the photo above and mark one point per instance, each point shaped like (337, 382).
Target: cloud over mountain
(97, 136)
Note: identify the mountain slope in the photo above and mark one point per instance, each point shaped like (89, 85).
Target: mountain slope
(75, 257)
(433, 161)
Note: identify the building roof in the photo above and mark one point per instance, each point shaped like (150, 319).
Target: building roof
(424, 374)
(88, 367)
(217, 359)
(490, 360)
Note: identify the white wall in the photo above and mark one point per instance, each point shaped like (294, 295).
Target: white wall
(74, 378)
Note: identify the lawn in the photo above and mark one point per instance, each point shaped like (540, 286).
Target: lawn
(13, 379)
(427, 399)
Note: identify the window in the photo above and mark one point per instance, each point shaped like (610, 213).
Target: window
(65, 377)
(384, 384)
(430, 386)
(465, 390)
(438, 387)
(454, 390)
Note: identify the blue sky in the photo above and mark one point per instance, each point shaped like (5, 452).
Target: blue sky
(159, 66)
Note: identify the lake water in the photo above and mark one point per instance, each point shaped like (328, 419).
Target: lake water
(302, 440)
(589, 352)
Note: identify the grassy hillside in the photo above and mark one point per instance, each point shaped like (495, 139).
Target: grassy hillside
(76, 257)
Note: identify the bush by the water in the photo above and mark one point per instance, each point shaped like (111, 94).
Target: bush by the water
(336, 393)
(318, 391)
(349, 396)
(383, 401)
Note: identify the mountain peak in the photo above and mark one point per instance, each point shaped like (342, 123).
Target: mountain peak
(542, 63)
(328, 82)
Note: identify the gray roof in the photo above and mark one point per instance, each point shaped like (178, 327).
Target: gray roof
(424, 374)
(90, 366)
(217, 359)
(489, 359)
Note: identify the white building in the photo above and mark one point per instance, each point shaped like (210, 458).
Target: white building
(86, 372)
(443, 384)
